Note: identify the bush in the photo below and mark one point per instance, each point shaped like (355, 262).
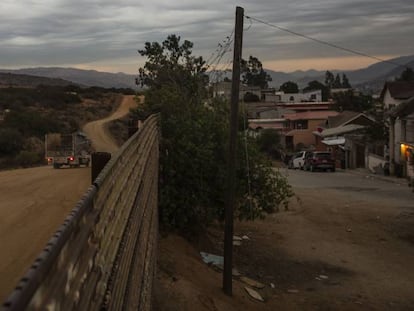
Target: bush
(28, 158)
(11, 141)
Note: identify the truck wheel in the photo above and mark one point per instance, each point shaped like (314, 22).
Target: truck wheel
(55, 165)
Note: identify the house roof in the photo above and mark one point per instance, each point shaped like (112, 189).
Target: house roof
(310, 115)
(403, 109)
(338, 130)
(399, 89)
(345, 118)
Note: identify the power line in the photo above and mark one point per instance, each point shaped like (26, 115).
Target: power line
(325, 42)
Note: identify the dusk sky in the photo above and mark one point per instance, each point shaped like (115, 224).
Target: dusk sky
(105, 35)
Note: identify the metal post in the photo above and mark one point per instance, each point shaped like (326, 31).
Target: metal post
(228, 233)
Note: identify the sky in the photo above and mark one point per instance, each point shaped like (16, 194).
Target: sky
(105, 35)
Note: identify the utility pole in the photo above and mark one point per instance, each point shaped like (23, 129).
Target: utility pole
(234, 115)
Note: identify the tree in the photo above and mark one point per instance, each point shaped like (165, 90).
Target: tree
(345, 82)
(269, 141)
(349, 101)
(289, 87)
(193, 145)
(11, 142)
(407, 75)
(329, 79)
(253, 73)
(316, 85)
(337, 82)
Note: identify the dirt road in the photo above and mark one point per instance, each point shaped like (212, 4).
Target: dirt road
(102, 141)
(35, 201)
(347, 244)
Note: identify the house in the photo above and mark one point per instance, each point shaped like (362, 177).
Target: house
(311, 96)
(401, 139)
(343, 135)
(299, 126)
(394, 93)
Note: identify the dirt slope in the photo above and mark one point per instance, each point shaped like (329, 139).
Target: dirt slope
(35, 201)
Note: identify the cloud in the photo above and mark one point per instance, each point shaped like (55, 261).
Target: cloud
(54, 32)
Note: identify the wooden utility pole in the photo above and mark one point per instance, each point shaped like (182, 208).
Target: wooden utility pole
(234, 115)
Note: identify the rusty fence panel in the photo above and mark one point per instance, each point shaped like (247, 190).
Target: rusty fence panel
(103, 256)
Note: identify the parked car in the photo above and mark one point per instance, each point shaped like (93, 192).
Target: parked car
(319, 160)
(298, 160)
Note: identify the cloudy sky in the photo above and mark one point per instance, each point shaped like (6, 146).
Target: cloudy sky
(106, 34)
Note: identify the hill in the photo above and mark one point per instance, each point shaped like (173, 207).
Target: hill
(371, 77)
(22, 80)
(80, 76)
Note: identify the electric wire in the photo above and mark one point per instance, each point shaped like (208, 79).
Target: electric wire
(325, 42)
(246, 151)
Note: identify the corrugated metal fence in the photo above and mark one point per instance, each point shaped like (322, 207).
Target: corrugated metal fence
(103, 256)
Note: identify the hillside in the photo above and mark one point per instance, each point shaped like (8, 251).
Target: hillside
(23, 80)
(371, 77)
(82, 77)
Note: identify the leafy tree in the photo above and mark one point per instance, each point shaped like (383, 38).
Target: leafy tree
(251, 98)
(253, 73)
(193, 146)
(269, 141)
(337, 84)
(289, 87)
(329, 79)
(349, 101)
(316, 85)
(407, 75)
(345, 82)
(11, 141)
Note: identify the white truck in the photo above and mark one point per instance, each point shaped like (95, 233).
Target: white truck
(71, 150)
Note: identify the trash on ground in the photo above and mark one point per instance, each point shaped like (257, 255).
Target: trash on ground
(212, 259)
(237, 243)
(237, 238)
(272, 285)
(235, 272)
(254, 294)
(245, 237)
(323, 277)
(293, 291)
(251, 282)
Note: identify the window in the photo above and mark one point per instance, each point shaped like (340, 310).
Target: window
(301, 125)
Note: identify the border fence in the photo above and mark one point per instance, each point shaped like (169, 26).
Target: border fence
(103, 256)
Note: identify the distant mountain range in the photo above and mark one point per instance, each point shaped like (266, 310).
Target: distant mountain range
(81, 77)
(369, 78)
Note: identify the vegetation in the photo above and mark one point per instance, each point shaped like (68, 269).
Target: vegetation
(253, 73)
(406, 75)
(289, 87)
(316, 85)
(269, 142)
(335, 82)
(194, 138)
(350, 101)
(29, 113)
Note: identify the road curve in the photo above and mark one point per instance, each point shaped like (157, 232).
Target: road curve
(97, 130)
(35, 201)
